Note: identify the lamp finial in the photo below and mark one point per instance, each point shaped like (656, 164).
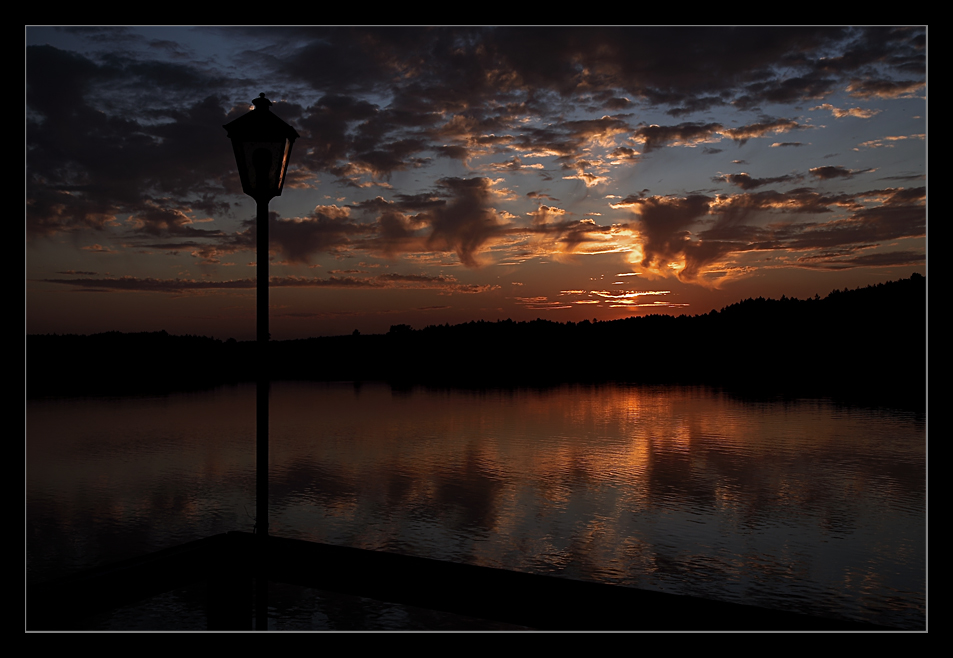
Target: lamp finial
(261, 103)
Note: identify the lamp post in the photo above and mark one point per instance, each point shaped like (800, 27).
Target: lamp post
(262, 143)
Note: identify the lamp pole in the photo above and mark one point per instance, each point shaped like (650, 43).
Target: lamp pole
(262, 143)
(263, 383)
(262, 395)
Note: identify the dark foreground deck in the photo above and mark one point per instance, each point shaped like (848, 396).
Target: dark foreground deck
(229, 563)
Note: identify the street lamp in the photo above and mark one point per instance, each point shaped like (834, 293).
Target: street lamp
(262, 143)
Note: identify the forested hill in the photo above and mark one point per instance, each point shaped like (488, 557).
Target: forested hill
(865, 342)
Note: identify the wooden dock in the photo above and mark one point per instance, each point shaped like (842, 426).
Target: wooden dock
(228, 563)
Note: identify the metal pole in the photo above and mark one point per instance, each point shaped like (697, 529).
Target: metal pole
(263, 390)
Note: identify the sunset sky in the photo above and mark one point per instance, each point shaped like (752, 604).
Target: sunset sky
(457, 174)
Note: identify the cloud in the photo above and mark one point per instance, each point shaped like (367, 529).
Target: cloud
(693, 69)
(837, 261)
(514, 164)
(746, 182)
(327, 229)
(86, 166)
(109, 154)
(666, 244)
(683, 134)
(743, 134)
(542, 303)
(830, 172)
(857, 112)
(572, 143)
(50, 211)
(623, 154)
(545, 214)
(179, 286)
(157, 218)
(871, 218)
(886, 141)
(466, 222)
(693, 134)
(686, 235)
(884, 88)
(735, 215)
(630, 299)
(552, 234)
(590, 179)
(149, 284)
(540, 195)
(98, 248)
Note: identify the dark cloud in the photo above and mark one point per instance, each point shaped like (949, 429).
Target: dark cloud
(179, 286)
(780, 89)
(326, 230)
(514, 164)
(864, 220)
(50, 211)
(571, 235)
(762, 128)
(156, 218)
(403, 203)
(655, 137)
(746, 182)
(148, 284)
(397, 233)
(454, 152)
(884, 88)
(327, 127)
(902, 48)
(829, 172)
(624, 153)
(98, 248)
(175, 247)
(868, 225)
(568, 140)
(381, 162)
(86, 166)
(663, 224)
(540, 195)
(456, 218)
(451, 90)
(447, 283)
(466, 222)
(690, 134)
(688, 69)
(342, 60)
(893, 214)
(617, 104)
(904, 196)
(827, 261)
(736, 210)
(121, 140)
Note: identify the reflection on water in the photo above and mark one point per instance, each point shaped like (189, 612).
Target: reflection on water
(801, 506)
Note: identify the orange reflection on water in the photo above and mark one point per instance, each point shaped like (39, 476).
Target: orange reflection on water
(681, 489)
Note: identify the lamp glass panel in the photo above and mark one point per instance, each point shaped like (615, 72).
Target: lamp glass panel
(268, 181)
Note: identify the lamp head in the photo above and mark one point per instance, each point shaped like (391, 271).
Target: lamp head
(262, 143)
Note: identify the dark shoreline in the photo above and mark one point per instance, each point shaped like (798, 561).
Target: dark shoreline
(866, 346)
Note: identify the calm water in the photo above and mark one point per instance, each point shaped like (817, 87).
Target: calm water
(800, 505)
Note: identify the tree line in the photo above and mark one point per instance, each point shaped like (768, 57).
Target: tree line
(868, 342)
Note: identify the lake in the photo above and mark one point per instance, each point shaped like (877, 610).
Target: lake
(799, 505)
